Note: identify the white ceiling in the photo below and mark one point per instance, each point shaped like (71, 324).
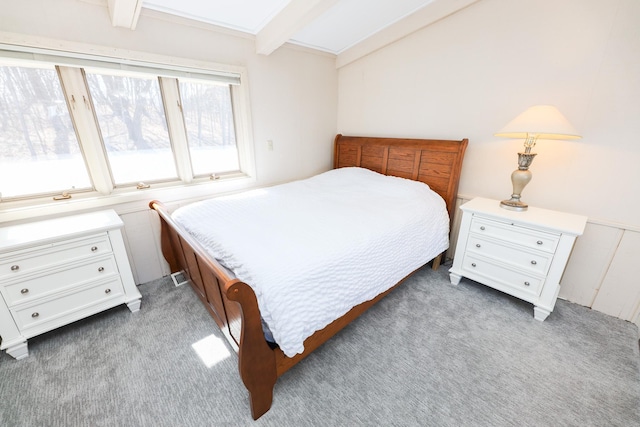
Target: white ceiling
(341, 26)
(346, 28)
(248, 16)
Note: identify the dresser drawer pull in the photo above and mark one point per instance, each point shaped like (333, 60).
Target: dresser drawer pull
(24, 291)
(15, 267)
(94, 248)
(534, 262)
(473, 264)
(482, 228)
(478, 245)
(527, 283)
(100, 269)
(34, 315)
(107, 291)
(539, 242)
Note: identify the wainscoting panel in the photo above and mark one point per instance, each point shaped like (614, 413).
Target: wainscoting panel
(142, 244)
(619, 294)
(589, 263)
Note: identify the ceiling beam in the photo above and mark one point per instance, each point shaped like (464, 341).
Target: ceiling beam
(288, 22)
(124, 13)
(432, 12)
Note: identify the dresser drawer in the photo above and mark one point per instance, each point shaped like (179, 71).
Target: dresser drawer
(518, 235)
(27, 261)
(54, 280)
(534, 261)
(513, 279)
(61, 306)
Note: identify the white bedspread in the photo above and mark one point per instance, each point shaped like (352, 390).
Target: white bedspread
(313, 249)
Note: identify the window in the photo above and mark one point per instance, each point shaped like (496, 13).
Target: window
(134, 128)
(89, 125)
(208, 118)
(39, 151)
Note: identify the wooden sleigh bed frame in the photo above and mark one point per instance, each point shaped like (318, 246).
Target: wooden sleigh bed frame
(233, 304)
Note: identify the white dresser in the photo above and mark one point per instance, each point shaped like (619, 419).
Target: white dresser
(520, 253)
(57, 271)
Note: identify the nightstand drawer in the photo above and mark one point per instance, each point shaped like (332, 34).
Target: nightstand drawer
(42, 314)
(27, 261)
(518, 235)
(534, 261)
(513, 279)
(53, 281)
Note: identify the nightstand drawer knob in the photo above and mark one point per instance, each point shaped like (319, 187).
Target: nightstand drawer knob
(527, 283)
(478, 245)
(34, 315)
(539, 242)
(534, 262)
(15, 267)
(24, 291)
(473, 264)
(101, 269)
(107, 291)
(94, 248)
(482, 228)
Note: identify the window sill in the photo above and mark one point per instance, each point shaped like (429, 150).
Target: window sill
(123, 200)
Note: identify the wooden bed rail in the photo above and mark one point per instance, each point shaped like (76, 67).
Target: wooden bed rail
(231, 302)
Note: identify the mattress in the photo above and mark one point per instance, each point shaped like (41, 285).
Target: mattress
(313, 249)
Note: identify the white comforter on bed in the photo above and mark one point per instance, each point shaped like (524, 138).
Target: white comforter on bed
(313, 249)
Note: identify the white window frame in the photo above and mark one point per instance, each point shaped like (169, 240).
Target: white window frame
(167, 68)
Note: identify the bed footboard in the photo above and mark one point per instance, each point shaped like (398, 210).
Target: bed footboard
(256, 360)
(231, 303)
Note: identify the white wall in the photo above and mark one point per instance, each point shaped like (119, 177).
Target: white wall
(471, 73)
(293, 93)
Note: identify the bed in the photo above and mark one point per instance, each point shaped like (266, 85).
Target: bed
(232, 285)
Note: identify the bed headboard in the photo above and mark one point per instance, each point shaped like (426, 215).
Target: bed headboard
(435, 162)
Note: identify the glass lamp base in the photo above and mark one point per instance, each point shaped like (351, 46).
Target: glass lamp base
(514, 205)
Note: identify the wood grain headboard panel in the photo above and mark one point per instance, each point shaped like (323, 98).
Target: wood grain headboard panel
(436, 162)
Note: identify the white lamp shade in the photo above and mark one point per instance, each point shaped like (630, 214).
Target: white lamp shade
(545, 121)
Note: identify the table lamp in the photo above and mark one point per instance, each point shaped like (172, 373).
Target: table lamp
(538, 122)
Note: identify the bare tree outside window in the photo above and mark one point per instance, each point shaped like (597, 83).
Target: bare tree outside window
(208, 117)
(39, 151)
(133, 126)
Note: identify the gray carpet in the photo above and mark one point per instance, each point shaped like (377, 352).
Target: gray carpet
(430, 354)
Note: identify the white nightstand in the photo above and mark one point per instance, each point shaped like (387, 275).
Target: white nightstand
(520, 253)
(57, 271)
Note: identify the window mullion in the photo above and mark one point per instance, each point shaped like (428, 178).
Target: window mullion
(81, 110)
(177, 132)
(242, 119)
